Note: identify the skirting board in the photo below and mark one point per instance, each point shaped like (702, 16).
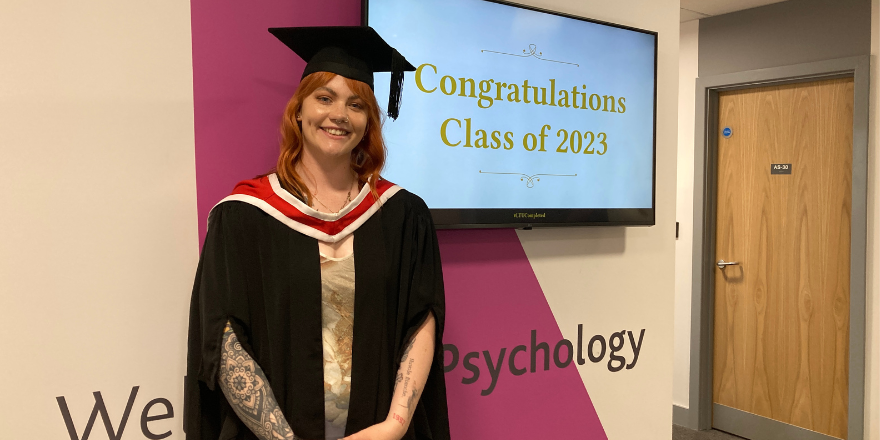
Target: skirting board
(681, 417)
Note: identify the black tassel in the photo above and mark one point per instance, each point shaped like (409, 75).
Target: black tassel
(397, 63)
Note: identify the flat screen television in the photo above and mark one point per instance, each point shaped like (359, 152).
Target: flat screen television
(520, 117)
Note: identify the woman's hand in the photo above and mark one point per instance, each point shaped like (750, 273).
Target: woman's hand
(387, 430)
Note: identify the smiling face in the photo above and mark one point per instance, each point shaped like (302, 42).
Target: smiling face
(333, 120)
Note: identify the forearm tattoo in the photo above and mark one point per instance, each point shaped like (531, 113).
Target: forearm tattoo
(407, 349)
(411, 400)
(246, 388)
(410, 394)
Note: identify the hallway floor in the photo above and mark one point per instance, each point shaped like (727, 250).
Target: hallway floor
(682, 433)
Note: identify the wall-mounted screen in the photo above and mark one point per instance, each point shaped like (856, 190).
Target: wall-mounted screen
(518, 116)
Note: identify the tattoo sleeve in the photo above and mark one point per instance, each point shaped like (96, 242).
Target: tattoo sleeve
(246, 388)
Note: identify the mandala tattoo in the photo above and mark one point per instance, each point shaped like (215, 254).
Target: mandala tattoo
(246, 388)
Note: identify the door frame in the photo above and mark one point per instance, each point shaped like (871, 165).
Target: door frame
(698, 415)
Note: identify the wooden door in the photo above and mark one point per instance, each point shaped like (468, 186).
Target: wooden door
(781, 333)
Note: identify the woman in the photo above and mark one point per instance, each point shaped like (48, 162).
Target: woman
(318, 306)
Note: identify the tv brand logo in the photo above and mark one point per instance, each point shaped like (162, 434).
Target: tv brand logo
(596, 349)
(101, 409)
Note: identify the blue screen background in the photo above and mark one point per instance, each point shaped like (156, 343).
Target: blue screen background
(453, 35)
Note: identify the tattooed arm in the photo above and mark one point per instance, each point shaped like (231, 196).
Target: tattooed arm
(246, 388)
(415, 364)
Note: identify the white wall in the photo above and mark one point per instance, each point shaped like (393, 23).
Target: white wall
(98, 231)
(684, 209)
(98, 220)
(623, 278)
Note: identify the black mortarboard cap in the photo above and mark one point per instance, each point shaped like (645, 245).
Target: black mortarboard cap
(354, 52)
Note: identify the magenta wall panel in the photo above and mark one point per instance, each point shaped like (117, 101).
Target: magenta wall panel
(242, 79)
(494, 302)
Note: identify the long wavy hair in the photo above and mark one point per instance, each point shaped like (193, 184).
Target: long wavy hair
(367, 158)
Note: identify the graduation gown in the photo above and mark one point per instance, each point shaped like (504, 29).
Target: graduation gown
(260, 270)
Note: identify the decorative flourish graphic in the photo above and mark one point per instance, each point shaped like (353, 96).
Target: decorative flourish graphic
(531, 52)
(530, 180)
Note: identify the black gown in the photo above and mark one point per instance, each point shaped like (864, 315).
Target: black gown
(260, 270)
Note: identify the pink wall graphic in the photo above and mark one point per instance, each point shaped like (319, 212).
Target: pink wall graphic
(494, 301)
(242, 79)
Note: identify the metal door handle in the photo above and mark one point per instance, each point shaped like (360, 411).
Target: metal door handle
(722, 264)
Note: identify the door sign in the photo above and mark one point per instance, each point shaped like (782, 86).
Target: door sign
(780, 168)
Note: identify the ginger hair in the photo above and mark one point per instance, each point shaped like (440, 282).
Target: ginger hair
(367, 158)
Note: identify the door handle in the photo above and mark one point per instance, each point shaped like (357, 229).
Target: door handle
(722, 264)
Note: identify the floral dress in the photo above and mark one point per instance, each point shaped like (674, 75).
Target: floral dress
(337, 318)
